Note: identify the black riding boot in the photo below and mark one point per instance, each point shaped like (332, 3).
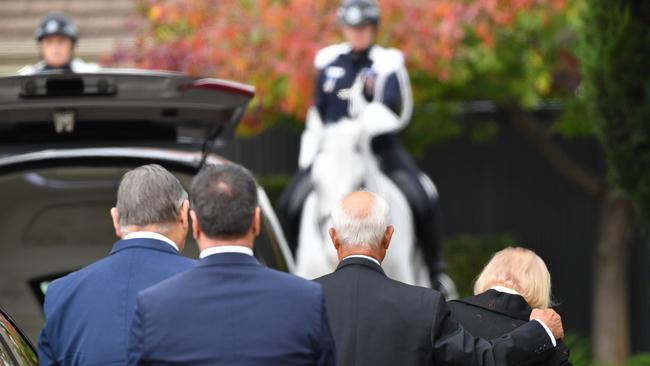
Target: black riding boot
(421, 195)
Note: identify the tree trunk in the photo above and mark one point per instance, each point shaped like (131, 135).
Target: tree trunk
(610, 333)
(610, 314)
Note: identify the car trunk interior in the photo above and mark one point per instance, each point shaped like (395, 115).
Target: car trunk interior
(55, 221)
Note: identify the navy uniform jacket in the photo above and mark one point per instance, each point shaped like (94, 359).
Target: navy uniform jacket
(231, 310)
(88, 312)
(377, 321)
(338, 68)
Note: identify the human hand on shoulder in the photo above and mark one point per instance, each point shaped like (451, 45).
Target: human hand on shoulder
(552, 320)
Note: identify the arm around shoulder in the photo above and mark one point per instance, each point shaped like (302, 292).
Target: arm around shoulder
(453, 345)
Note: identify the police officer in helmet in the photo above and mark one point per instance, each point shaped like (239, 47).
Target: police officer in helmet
(57, 38)
(385, 80)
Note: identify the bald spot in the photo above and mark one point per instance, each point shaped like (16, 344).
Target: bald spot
(358, 204)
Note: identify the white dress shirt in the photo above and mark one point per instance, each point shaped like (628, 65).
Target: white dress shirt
(150, 235)
(513, 292)
(362, 256)
(226, 249)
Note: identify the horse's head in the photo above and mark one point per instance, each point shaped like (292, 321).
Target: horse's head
(339, 168)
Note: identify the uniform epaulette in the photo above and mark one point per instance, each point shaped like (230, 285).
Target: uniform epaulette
(329, 54)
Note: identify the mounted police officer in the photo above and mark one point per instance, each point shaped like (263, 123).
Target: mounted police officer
(57, 39)
(385, 80)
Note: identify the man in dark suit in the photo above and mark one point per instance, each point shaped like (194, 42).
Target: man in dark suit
(88, 312)
(230, 309)
(378, 321)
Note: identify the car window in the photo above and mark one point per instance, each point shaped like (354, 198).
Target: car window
(14, 349)
(57, 220)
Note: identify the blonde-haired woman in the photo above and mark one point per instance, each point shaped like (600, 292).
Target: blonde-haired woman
(514, 282)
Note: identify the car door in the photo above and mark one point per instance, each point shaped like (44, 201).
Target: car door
(15, 348)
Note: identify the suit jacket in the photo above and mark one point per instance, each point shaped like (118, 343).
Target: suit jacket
(378, 321)
(231, 310)
(88, 312)
(493, 314)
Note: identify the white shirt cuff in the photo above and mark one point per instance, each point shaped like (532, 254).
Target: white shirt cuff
(548, 331)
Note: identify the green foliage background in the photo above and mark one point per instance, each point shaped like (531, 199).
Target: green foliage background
(614, 51)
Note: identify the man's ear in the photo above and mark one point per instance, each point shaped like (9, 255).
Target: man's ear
(196, 229)
(183, 212)
(257, 222)
(116, 222)
(335, 239)
(388, 235)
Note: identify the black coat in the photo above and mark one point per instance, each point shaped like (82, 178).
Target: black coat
(378, 321)
(493, 314)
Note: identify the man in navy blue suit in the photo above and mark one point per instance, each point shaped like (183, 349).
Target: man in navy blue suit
(88, 312)
(230, 309)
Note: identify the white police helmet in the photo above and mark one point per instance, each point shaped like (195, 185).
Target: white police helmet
(356, 13)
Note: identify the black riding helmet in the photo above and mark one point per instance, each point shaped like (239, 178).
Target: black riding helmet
(356, 13)
(56, 23)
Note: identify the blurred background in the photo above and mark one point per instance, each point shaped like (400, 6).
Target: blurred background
(532, 117)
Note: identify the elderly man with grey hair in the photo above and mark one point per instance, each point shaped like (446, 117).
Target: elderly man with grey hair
(88, 312)
(378, 321)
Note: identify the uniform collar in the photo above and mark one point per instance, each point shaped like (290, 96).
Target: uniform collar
(67, 67)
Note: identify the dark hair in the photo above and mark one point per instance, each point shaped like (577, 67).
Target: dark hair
(224, 198)
(149, 195)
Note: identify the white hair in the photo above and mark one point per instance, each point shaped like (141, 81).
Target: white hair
(361, 226)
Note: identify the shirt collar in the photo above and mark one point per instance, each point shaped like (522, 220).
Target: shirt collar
(150, 235)
(226, 249)
(505, 289)
(364, 257)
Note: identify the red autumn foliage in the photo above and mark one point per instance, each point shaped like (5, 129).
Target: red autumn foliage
(271, 43)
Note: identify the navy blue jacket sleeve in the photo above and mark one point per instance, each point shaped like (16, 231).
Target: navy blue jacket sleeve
(326, 351)
(392, 97)
(45, 354)
(136, 337)
(319, 94)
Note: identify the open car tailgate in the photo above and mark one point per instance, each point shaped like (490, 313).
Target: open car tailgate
(118, 108)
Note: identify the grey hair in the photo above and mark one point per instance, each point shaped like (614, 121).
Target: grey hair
(149, 195)
(361, 227)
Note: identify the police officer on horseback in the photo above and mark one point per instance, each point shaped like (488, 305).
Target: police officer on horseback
(384, 79)
(57, 38)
